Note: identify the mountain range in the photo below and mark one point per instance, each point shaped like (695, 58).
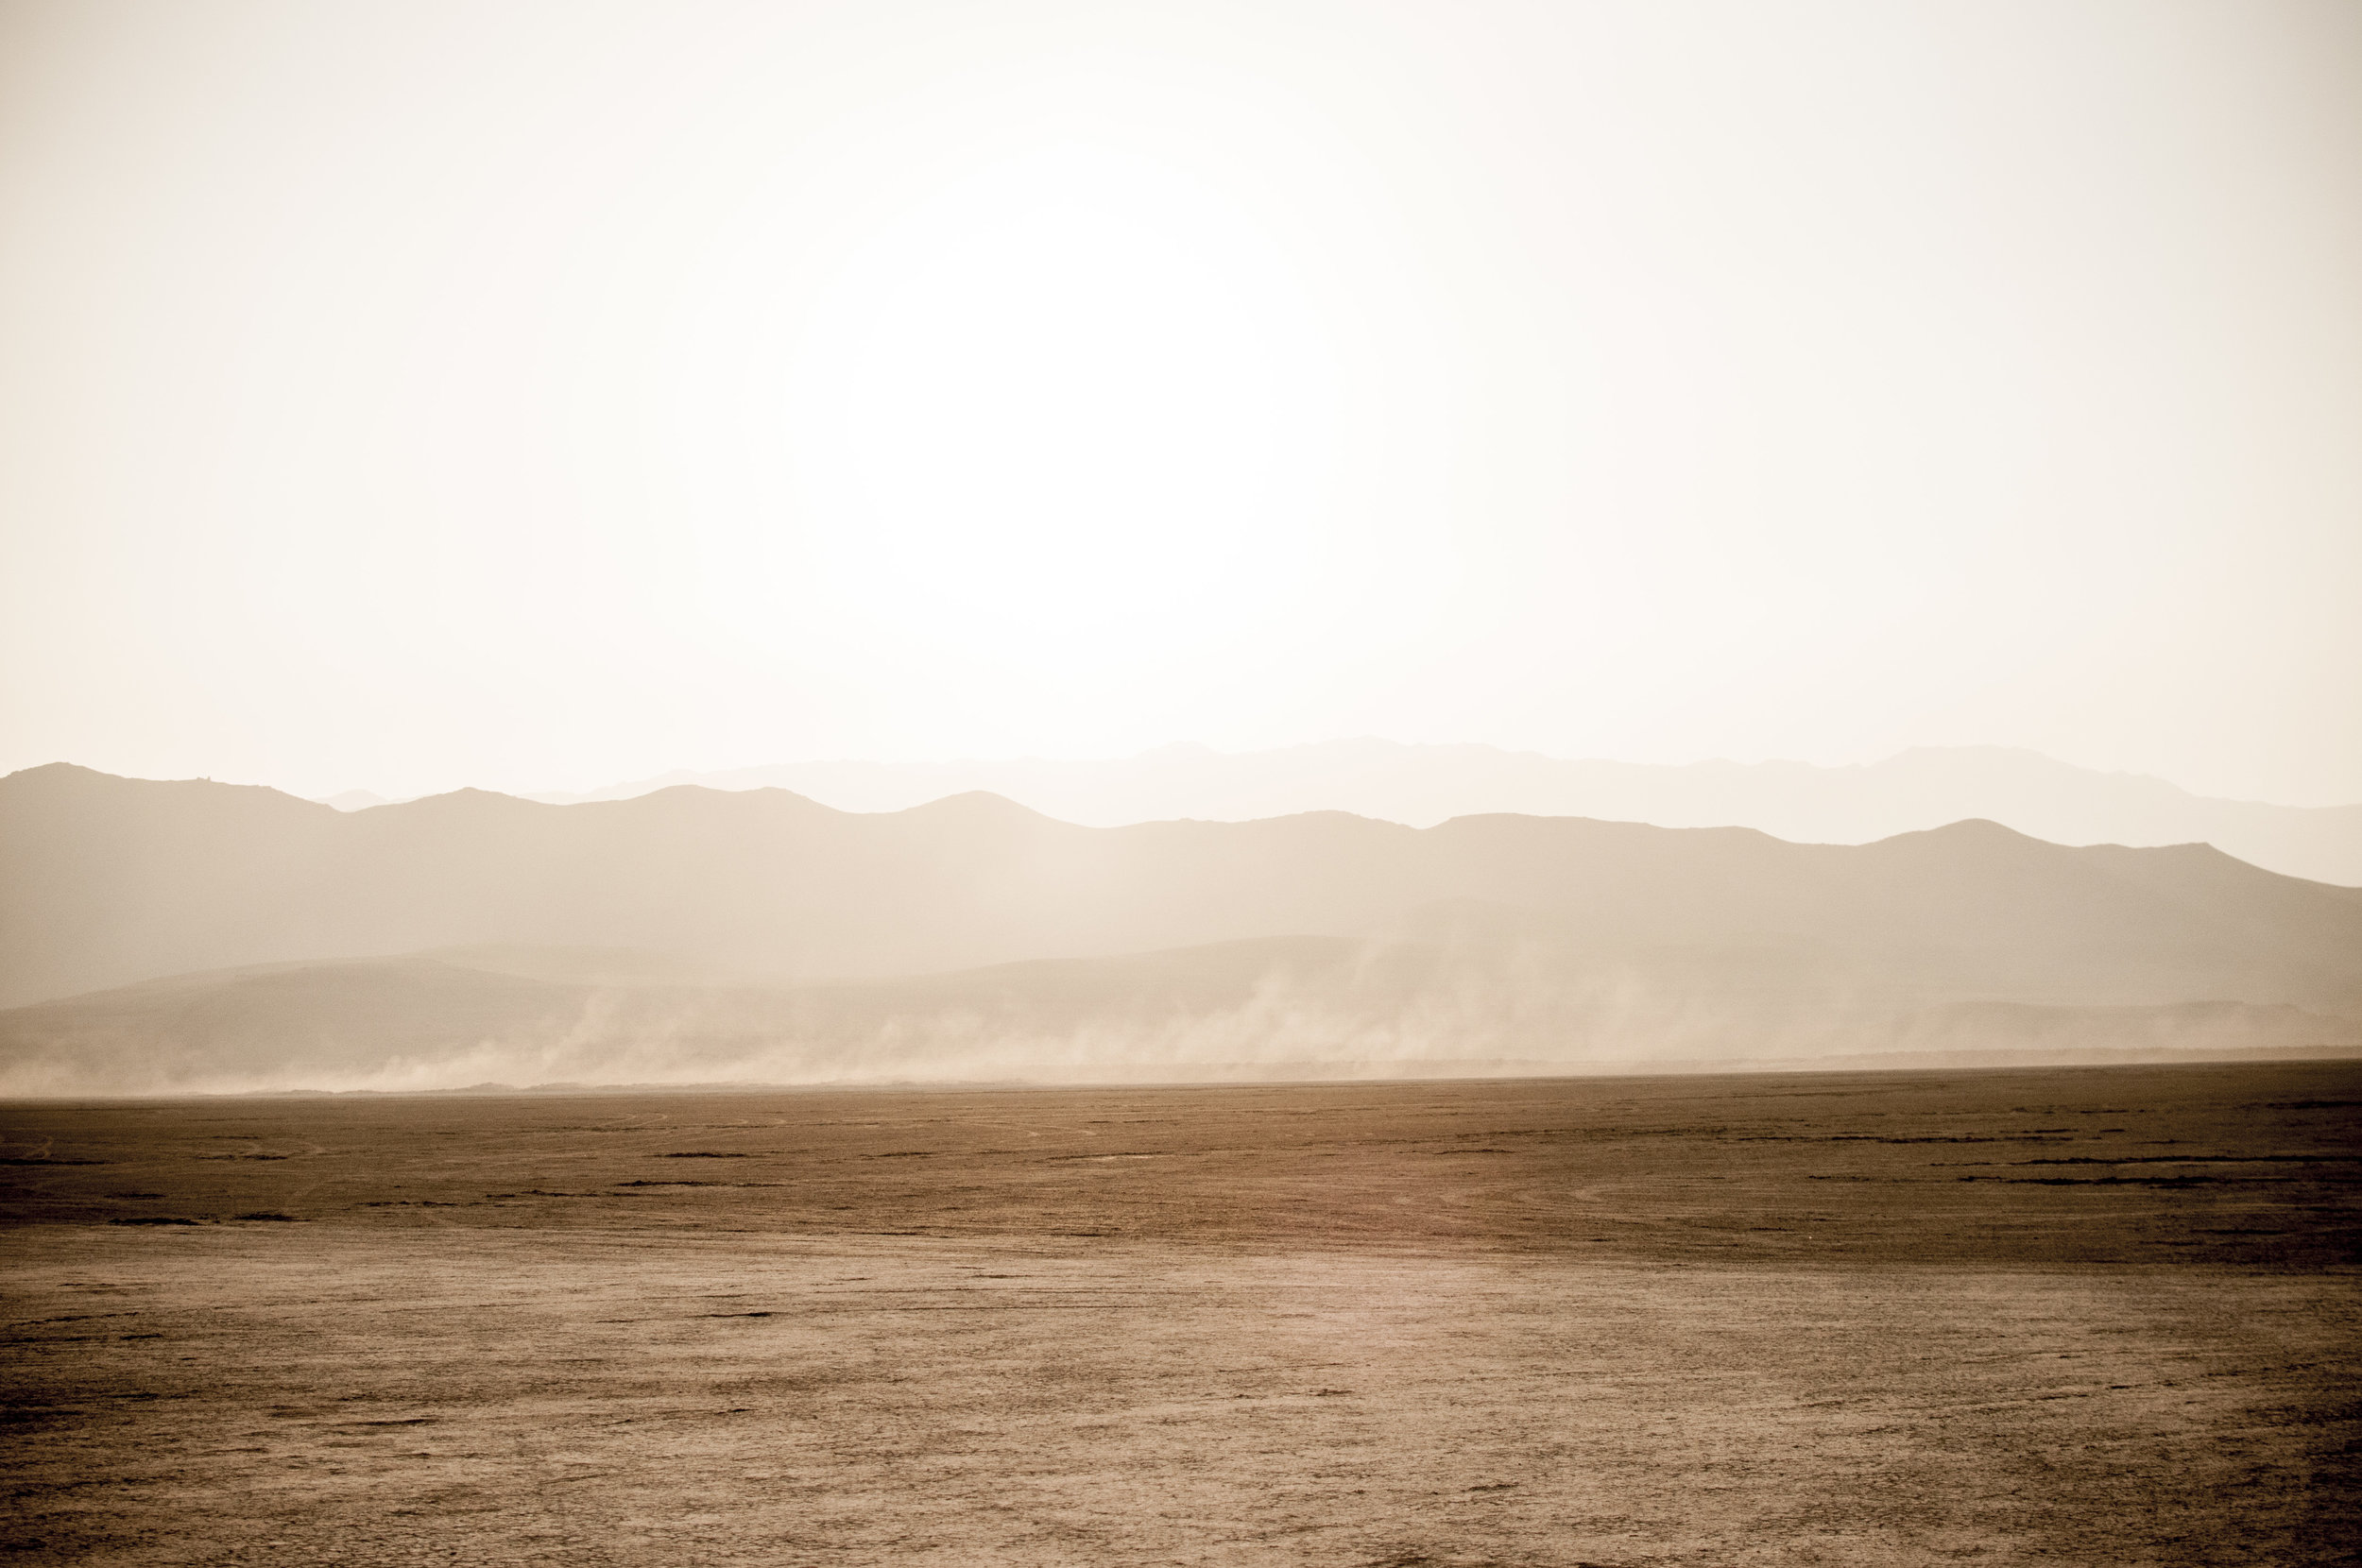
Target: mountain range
(1422, 785)
(187, 932)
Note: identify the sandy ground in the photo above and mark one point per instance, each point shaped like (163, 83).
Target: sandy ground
(1618, 1341)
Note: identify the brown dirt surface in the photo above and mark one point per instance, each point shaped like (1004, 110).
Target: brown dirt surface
(2098, 1316)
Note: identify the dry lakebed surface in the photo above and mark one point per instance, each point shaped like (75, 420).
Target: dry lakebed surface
(2076, 1316)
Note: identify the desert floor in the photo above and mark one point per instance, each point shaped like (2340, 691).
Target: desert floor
(2083, 1315)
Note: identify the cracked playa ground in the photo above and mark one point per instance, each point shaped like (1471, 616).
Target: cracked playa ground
(1622, 1323)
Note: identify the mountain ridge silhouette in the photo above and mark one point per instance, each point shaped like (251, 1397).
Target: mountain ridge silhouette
(110, 881)
(1422, 785)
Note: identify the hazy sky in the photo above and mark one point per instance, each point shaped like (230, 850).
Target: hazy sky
(402, 395)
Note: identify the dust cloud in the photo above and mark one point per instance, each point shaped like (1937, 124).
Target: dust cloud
(1338, 1011)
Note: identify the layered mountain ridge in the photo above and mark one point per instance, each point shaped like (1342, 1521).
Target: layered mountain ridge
(768, 928)
(1422, 785)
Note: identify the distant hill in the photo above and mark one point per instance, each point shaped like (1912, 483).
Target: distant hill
(693, 910)
(1299, 1006)
(1422, 785)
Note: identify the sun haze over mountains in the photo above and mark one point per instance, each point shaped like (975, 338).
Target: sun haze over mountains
(408, 403)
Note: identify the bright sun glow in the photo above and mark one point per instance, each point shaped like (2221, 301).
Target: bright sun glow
(545, 394)
(1073, 395)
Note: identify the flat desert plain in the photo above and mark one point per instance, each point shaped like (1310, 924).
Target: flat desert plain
(2077, 1316)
